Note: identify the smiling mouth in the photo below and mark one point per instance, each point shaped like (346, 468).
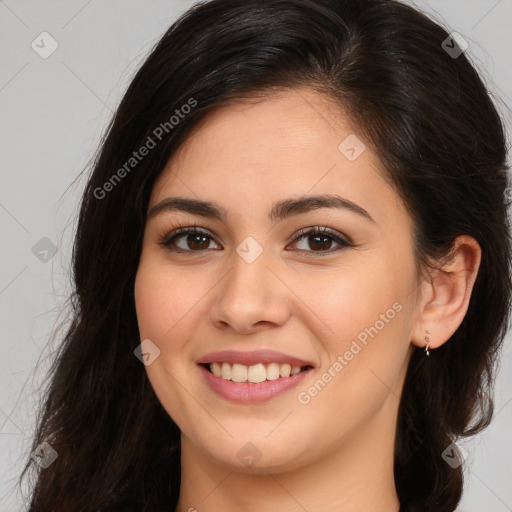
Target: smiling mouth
(253, 374)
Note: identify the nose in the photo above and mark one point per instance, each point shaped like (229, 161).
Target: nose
(250, 297)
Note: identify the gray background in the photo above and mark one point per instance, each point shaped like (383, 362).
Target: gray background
(53, 112)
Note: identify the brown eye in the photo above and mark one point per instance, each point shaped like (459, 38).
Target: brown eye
(187, 240)
(320, 240)
(196, 242)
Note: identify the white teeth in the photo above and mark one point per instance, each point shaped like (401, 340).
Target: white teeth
(239, 373)
(216, 370)
(255, 373)
(284, 371)
(272, 371)
(226, 371)
(295, 370)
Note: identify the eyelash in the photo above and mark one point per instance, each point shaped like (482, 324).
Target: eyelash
(168, 239)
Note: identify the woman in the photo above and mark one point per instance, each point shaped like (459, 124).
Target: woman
(292, 270)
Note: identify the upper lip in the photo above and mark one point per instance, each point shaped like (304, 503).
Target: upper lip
(252, 357)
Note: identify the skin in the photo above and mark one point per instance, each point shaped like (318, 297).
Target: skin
(334, 453)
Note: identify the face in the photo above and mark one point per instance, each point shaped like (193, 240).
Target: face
(327, 285)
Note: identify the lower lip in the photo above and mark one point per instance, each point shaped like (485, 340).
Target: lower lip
(246, 393)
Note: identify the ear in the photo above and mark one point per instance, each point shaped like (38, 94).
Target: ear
(445, 294)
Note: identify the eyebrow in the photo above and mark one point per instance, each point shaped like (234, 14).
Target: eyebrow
(280, 210)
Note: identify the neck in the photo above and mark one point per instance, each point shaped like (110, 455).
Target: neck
(357, 474)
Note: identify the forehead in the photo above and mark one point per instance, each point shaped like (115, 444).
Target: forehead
(289, 135)
(249, 155)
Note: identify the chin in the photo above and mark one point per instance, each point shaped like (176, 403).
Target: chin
(256, 455)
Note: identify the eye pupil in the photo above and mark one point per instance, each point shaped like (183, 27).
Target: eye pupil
(194, 237)
(315, 244)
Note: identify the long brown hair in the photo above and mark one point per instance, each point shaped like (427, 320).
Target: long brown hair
(435, 128)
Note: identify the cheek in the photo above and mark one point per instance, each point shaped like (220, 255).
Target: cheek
(162, 304)
(170, 302)
(366, 347)
(163, 298)
(364, 312)
(349, 300)
(153, 305)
